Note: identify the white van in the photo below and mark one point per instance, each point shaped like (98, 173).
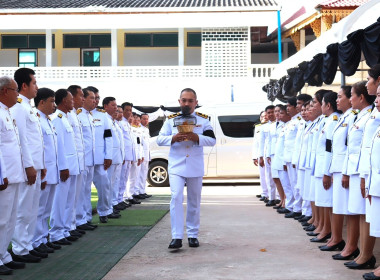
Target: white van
(231, 157)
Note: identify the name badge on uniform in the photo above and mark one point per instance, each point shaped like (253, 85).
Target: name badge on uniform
(344, 124)
(97, 122)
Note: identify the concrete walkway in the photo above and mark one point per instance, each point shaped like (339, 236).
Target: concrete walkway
(240, 238)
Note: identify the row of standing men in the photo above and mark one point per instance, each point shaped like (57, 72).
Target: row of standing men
(319, 164)
(51, 155)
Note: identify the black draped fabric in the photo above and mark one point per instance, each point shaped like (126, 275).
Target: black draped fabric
(313, 73)
(298, 81)
(270, 95)
(349, 53)
(146, 109)
(371, 44)
(287, 88)
(330, 64)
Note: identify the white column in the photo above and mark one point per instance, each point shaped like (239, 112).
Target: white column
(49, 47)
(302, 39)
(114, 47)
(181, 46)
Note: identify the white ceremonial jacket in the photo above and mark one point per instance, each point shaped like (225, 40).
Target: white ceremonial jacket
(274, 130)
(129, 145)
(88, 130)
(103, 136)
(263, 137)
(278, 161)
(145, 142)
(369, 131)
(290, 130)
(354, 140)
(186, 158)
(66, 142)
(137, 136)
(51, 149)
(374, 176)
(30, 133)
(316, 132)
(323, 144)
(117, 147)
(298, 141)
(78, 133)
(336, 155)
(256, 141)
(12, 166)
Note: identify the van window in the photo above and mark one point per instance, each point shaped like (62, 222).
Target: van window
(238, 126)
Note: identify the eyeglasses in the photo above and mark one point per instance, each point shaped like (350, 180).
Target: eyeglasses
(16, 90)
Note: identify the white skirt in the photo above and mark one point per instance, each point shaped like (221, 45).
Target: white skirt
(374, 224)
(300, 180)
(273, 170)
(323, 198)
(356, 203)
(306, 184)
(312, 189)
(340, 196)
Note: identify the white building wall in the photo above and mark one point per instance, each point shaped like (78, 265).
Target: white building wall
(71, 57)
(193, 56)
(8, 58)
(150, 57)
(105, 57)
(264, 58)
(41, 57)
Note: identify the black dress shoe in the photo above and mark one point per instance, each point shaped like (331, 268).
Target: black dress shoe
(126, 203)
(371, 276)
(305, 219)
(53, 246)
(368, 264)
(263, 198)
(72, 238)
(5, 270)
(193, 242)
(258, 195)
(149, 195)
(138, 196)
(339, 246)
(305, 224)
(91, 224)
(113, 216)
(81, 231)
(283, 211)
(26, 258)
(38, 254)
(320, 240)
(270, 203)
(277, 201)
(75, 233)
(312, 233)
(266, 200)
(310, 228)
(134, 201)
(103, 219)
(175, 244)
(62, 241)
(85, 227)
(299, 217)
(339, 257)
(277, 207)
(119, 207)
(44, 249)
(15, 265)
(293, 214)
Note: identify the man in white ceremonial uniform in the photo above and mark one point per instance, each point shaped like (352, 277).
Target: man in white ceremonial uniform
(145, 137)
(75, 193)
(84, 209)
(125, 198)
(12, 173)
(255, 156)
(110, 106)
(68, 165)
(31, 140)
(45, 103)
(186, 166)
(103, 160)
(263, 145)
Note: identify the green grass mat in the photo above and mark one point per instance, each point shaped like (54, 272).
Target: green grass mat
(135, 217)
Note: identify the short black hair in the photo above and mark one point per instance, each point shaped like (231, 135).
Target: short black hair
(22, 75)
(304, 97)
(73, 89)
(292, 101)
(270, 107)
(60, 95)
(346, 90)
(330, 98)
(281, 106)
(107, 100)
(93, 89)
(374, 72)
(43, 94)
(125, 104)
(85, 92)
(190, 90)
(320, 93)
(144, 114)
(306, 103)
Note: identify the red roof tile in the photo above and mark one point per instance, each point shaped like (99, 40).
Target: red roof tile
(341, 3)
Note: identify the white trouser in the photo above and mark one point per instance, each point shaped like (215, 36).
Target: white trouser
(78, 200)
(284, 178)
(57, 215)
(132, 180)
(269, 181)
(83, 207)
(194, 189)
(42, 226)
(27, 211)
(298, 191)
(70, 206)
(292, 175)
(124, 174)
(8, 206)
(142, 177)
(263, 182)
(103, 186)
(115, 183)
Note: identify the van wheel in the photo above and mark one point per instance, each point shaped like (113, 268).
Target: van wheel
(158, 174)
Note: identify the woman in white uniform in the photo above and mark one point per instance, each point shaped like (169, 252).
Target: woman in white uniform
(361, 101)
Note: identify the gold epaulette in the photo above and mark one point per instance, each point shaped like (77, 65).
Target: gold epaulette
(202, 115)
(19, 100)
(354, 112)
(335, 118)
(100, 110)
(369, 110)
(79, 111)
(174, 115)
(60, 115)
(299, 118)
(258, 124)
